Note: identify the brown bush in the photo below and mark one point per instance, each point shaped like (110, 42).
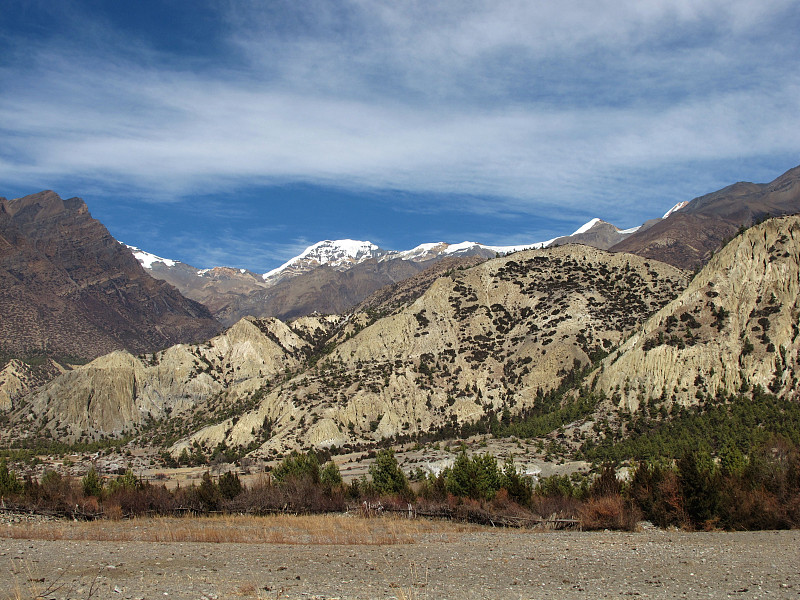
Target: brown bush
(112, 511)
(89, 505)
(744, 508)
(609, 512)
(558, 507)
(148, 499)
(293, 495)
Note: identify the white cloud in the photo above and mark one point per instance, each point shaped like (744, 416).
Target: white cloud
(531, 104)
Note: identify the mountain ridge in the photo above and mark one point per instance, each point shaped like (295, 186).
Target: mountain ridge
(690, 237)
(349, 269)
(68, 288)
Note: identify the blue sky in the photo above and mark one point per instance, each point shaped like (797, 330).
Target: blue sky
(238, 133)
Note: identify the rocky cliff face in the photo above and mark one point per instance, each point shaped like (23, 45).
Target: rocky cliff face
(17, 378)
(67, 287)
(735, 326)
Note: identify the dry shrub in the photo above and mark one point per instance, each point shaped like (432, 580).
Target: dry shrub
(89, 505)
(143, 500)
(556, 507)
(112, 511)
(246, 589)
(754, 509)
(609, 512)
(293, 495)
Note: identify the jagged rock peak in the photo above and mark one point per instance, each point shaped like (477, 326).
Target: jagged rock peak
(70, 289)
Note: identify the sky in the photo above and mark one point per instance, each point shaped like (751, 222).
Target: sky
(238, 133)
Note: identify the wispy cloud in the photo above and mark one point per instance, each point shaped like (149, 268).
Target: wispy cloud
(523, 106)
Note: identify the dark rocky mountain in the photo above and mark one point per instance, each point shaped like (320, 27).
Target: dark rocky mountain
(689, 237)
(69, 289)
(322, 290)
(601, 235)
(216, 288)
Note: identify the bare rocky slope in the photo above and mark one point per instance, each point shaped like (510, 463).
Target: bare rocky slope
(119, 393)
(690, 237)
(322, 290)
(215, 288)
(737, 325)
(68, 288)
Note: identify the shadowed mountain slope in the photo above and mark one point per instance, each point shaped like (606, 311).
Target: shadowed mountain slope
(67, 287)
(688, 238)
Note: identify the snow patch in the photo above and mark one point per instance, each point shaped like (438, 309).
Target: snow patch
(146, 259)
(586, 226)
(453, 248)
(675, 208)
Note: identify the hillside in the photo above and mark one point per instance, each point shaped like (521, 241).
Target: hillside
(688, 238)
(735, 326)
(482, 339)
(69, 289)
(118, 393)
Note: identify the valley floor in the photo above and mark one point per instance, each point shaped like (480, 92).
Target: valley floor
(434, 561)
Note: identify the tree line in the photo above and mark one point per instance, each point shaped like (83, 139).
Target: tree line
(759, 490)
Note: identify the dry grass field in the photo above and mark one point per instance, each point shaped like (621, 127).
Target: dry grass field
(335, 529)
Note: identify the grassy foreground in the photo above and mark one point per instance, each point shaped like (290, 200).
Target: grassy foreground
(242, 529)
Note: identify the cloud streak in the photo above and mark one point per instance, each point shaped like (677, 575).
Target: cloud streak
(532, 106)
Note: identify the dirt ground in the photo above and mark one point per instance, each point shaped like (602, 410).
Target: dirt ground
(476, 563)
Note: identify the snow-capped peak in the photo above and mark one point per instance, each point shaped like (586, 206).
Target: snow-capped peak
(675, 208)
(419, 253)
(456, 248)
(334, 253)
(586, 226)
(146, 259)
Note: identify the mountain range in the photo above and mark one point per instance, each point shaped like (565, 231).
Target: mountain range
(333, 276)
(416, 341)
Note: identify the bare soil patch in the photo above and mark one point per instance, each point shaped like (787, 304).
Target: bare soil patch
(386, 558)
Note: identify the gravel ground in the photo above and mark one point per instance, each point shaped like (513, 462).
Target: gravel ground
(483, 564)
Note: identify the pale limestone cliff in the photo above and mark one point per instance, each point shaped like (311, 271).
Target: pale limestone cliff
(735, 326)
(18, 378)
(14, 382)
(479, 341)
(118, 392)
